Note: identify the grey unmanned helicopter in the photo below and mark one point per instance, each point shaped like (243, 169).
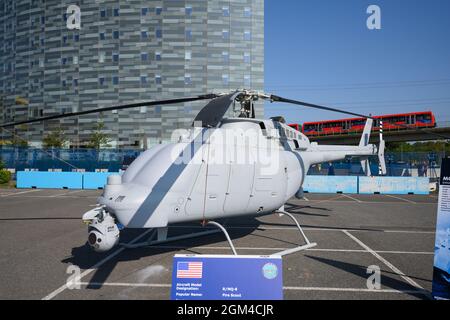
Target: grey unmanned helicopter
(222, 167)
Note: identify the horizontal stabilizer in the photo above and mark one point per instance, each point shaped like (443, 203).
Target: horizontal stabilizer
(366, 166)
(366, 133)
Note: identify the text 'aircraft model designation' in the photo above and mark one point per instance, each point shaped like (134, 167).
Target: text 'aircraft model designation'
(222, 167)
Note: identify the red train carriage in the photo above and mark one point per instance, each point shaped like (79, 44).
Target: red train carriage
(355, 125)
(296, 126)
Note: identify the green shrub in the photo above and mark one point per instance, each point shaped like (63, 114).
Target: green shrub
(5, 176)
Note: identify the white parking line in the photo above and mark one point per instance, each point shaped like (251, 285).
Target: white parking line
(330, 289)
(330, 200)
(66, 193)
(96, 266)
(347, 196)
(387, 263)
(394, 197)
(333, 200)
(309, 229)
(282, 249)
(356, 290)
(22, 192)
(125, 284)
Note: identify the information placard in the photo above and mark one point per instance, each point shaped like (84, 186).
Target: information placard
(441, 271)
(227, 277)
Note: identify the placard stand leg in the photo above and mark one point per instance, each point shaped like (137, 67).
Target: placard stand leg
(308, 244)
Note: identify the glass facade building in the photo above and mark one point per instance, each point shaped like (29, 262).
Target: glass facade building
(125, 52)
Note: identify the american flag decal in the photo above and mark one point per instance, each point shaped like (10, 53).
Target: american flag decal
(192, 270)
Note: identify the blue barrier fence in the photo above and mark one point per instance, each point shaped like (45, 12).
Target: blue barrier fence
(331, 184)
(312, 184)
(394, 185)
(62, 180)
(367, 185)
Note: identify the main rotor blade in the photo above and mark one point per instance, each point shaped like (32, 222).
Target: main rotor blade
(316, 106)
(121, 107)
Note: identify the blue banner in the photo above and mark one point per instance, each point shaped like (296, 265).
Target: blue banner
(227, 277)
(441, 271)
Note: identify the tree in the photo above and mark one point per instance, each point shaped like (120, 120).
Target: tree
(17, 142)
(5, 175)
(99, 139)
(55, 139)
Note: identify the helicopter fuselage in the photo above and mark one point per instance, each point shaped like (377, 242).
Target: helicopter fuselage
(242, 167)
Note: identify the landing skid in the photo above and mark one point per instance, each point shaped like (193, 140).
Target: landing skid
(307, 245)
(159, 236)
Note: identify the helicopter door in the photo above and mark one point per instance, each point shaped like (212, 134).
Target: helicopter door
(240, 184)
(206, 198)
(195, 204)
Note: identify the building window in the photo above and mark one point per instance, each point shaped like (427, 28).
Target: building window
(158, 33)
(187, 55)
(144, 35)
(101, 81)
(76, 37)
(247, 12)
(158, 10)
(75, 82)
(41, 63)
(102, 36)
(63, 61)
(247, 35)
(188, 34)
(115, 80)
(225, 34)
(143, 109)
(64, 40)
(116, 12)
(116, 34)
(101, 57)
(103, 13)
(226, 11)
(187, 79)
(225, 79)
(144, 56)
(158, 79)
(143, 80)
(64, 83)
(225, 57)
(144, 11)
(75, 59)
(115, 57)
(188, 10)
(247, 57)
(158, 56)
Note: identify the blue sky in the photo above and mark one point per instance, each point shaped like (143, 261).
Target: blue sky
(320, 51)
